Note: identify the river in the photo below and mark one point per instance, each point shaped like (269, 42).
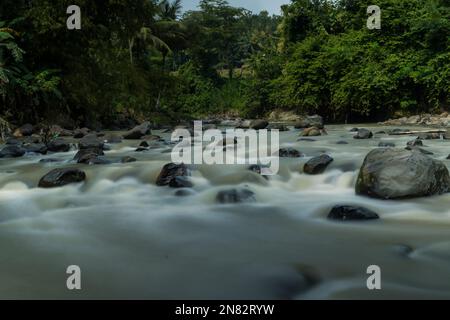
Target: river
(133, 239)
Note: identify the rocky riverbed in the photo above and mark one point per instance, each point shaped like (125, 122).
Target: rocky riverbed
(346, 197)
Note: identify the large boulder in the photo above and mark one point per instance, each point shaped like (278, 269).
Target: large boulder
(36, 148)
(363, 134)
(318, 164)
(258, 124)
(170, 171)
(61, 177)
(12, 151)
(58, 145)
(390, 173)
(138, 131)
(87, 155)
(310, 121)
(91, 141)
(80, 133)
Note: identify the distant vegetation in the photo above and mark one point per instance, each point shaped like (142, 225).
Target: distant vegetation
(144, 59)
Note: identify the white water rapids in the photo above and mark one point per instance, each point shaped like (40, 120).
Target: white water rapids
(133, 239)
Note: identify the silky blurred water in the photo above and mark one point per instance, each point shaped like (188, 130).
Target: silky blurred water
(133, 239)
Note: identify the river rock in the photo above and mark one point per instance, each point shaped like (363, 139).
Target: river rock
(36, 148)
(412, 148)
(318, 164)
(61, 177)
(341, 142)
(80, 133)
(395, 173)
(310, 121)
(415, 143)
(59, 131)
(353, 130)
(138, 131)
(91, 141)
(112, 138)
(235, 196)
(429, 136)
(12, 151)
(180, 182)
(384, 144)
(170, 171)
(363, 134)
(289, 153)
(13, 142)
(347, 213)
(258, 124)
(311, 132)
(24, 131)
(86, 155)
(58, 145)
(279, 127)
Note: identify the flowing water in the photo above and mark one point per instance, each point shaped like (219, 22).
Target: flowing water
(133, 239)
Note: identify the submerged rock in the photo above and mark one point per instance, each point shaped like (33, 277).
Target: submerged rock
(36, 148)
(412, 148)
(318, 164)
(171, 171)
(235, 196)
(128, 159)
(348, 213)
(112, 138)
(138, 131)
(396, 173)
(414, 143)
(341, 142)
(61, 177)
(363, 134)
(279, 127)
(12, 151)
(384, 144)
(87, 155)
(289, 153)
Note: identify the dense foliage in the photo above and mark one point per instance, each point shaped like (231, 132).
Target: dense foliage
(144, 58)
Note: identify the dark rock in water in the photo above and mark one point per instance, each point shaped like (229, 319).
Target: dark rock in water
(144, 144)
(49, 160)
(289, 153)
(341, 142)
(353, 130)
(112, 138)
(348, 213)
(138, 131)
(380, 132)
(306, 139)
(389, 173)
(24, 131)
(141, 149)
(34, 138)
(12, 151)
(363, 134)
(80, 133)
(318, 164)
(86, 155)
(180, 182)
(412, 148)
(58, 145)
(399, 130)
(128, 159)
(235, 196)
(90, 141)
(384, 144)
(311, 121)
(184, 192)
(170, 171)
(57, 130)
(13, 142)
(98, 161)
(36, 148)
(61, 177)
(415, 143)
(258, 124)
